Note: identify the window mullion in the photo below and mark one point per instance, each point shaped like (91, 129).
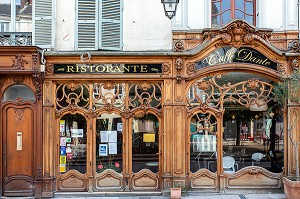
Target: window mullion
(13, 16)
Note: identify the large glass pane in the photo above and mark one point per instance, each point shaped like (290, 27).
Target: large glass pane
(23, 15)
(226, 17)
(203, 139)
(109, 131)
(239, 5)
(250, 19)
(239, 15)
(18, 91)
(216, 8)
(252, 137)
(145, 142)
(226, 4)
(249, 8)
(72, 143)
(5, 15)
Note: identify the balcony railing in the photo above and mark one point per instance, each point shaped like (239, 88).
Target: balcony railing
(15, 38)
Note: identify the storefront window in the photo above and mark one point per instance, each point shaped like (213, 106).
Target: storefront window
(203, 139)
(72, 143)
(145, 142)
(18, 90)
(109, 129)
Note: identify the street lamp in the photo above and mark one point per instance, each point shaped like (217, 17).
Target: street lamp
(170, 7)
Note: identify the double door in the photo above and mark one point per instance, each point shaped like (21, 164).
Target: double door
(108, 152)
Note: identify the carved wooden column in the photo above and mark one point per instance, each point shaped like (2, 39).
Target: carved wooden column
(48, 134)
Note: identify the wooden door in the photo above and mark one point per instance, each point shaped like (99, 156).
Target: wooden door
(18, 124)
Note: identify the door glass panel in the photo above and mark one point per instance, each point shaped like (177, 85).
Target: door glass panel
(109, 129)
(18, 90)
(73, 140)
(203, 139)
(145, 142)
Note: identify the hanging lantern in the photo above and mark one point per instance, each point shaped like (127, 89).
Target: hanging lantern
(170, 7)
(258, 105)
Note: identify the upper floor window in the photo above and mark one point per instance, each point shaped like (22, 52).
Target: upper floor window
(223, 11)
(15, 15)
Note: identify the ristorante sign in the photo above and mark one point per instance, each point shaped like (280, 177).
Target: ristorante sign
(228, 54)
(107, 68)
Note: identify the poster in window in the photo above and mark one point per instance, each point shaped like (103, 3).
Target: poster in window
(112, 148)
(62, 127)
(68, 149)
(69, 156)
(63, 141)
(148, 137)
(62, 150)
(77, 133)
(104, 136)
(119, 127)
(113, 136)
(102, 149)
(62, 168)
(62, 159)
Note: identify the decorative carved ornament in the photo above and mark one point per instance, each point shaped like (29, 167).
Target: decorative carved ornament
(191, 68)
(37, 81)
(294, 46)
(19, 115)
(49, 69)
(166, 69)
(19, 62)
(178, 46)
(179, 67)
(237, 33)
(18, 79)
(295, 63)
(34, 60)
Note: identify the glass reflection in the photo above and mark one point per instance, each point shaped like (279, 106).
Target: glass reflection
(145, 142)
(18, 90)
(109, 128)
(72, 143)
(203, 147)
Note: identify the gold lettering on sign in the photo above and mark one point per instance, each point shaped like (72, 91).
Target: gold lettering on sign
(249, 55)
(216, 57)
(144, 69)
(70, 69)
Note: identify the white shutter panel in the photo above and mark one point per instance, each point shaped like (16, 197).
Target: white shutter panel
(111, 24)
(86, 27)
(43, 25)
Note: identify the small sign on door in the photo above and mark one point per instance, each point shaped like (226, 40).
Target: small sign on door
(19, 141)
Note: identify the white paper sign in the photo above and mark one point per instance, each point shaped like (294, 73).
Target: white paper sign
(102, 149)
(76, 133)
(112, 148)
(119, 127)
(113, 136)
(104, 136)
(63, 141)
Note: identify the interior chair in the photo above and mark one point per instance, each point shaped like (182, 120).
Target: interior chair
(228, 164)
(256, 157)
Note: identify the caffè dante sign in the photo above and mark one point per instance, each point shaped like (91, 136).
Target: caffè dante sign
(228, 54)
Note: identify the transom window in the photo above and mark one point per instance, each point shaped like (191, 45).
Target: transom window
(223, 11)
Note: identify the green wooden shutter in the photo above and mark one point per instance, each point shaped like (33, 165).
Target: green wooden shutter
(110, 37)
(86, 30)
(43, 24)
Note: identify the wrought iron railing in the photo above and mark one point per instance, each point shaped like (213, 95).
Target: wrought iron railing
(15, 38)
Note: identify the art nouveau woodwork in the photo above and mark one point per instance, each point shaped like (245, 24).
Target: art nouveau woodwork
(165, 95)
(21, 132)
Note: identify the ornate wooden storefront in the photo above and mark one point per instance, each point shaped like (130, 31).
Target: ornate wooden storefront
(21, 116)
(95, 103)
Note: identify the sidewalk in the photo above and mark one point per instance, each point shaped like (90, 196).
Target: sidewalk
(200, 196)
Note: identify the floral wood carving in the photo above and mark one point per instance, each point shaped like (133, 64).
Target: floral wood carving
(179, 67)
(166, 69)
(19, 62)
(191, 69)
(37, 81)
(282, 69)
(294, 46)
(49, 69)
(178, 46)
(237, 33)
(18, 79)
(34, 60)
(295, 63)
(19, 115)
